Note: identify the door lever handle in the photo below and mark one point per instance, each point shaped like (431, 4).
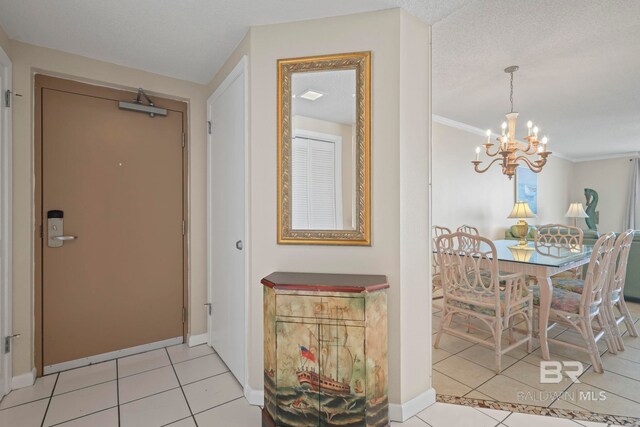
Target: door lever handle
(65, 238)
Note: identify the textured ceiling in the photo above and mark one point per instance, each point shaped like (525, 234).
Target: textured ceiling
(187, 39)
(338, 103)
(579, 75)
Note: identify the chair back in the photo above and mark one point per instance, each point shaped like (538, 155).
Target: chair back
(468, 229)
(618, 267)
(437, 231)
(598, 272)
(558, 235)
(469, 269)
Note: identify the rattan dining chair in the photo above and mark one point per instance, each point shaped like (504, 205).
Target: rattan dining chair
(613, 296)
(471, 285)
(549, 237)
(436, 279)
(579, 310)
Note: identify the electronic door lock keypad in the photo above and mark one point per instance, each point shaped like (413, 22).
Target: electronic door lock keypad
(55, 229)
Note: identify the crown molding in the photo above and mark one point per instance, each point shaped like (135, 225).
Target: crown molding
(631, 155)
(477, 131)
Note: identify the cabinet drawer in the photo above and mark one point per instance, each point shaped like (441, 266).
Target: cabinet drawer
(320, 307)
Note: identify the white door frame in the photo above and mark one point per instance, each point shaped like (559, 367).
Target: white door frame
(241, 70)
(5, 224)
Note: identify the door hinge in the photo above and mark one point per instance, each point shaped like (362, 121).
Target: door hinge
(184, 227)
(41, 232)
(184, 314)
(183, 139)
(209, 127)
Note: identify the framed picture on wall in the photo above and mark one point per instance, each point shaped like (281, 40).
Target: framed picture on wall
(527, 187)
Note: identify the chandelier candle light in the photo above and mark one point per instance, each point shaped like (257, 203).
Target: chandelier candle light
(508, 147)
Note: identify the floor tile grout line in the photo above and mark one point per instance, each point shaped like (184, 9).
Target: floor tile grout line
(145, 371)
(44, 417)
(204, 378)
(219, 405)
(478, 409)
(149, 395)
(176, 421)
(25, 403)
(193, 358)
(82, 416)
(118, 391)
(85, 387)
(181, 389)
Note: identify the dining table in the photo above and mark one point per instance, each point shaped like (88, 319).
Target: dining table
(542, 262)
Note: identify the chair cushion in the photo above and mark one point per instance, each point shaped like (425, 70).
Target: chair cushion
(489, 311)
(562, 300)
(569, 274)
(568, 284)
(577, 286)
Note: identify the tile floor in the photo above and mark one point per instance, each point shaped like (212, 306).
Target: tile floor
(465, 369)
(175, 386)
(185, 387)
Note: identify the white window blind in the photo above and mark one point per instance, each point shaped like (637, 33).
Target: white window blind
(313, 184)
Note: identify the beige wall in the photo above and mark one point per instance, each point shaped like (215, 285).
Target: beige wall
(611, 179)
(399, 215)
(462, 196)
(28, 59)
(346, 132)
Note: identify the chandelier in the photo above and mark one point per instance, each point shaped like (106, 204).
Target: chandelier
(510, 152)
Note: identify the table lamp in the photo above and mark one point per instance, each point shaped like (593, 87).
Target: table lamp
(521, 210)
(576, 211)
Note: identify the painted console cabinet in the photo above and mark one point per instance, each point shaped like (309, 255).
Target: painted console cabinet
(325, 350)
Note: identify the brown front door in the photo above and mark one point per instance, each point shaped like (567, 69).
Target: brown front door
(117, 177)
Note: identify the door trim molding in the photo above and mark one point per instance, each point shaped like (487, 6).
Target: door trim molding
(6, 208)
(240, 69)
(43, 79)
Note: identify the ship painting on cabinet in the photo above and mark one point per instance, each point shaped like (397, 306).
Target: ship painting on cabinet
(317, 372)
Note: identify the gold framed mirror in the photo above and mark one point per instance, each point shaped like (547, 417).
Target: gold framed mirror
(324, 153)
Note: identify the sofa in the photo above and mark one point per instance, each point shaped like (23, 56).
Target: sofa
(632, 285)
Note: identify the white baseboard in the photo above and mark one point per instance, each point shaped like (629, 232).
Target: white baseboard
(111, 355)
(23, 380)
(402, 412)
(254, 397)
(197, 339)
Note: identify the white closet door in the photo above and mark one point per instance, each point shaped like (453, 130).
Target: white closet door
(299, 180)
(322, 185)
(226, 223)
(313, 173)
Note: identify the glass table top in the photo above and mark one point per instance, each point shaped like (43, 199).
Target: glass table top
(553, 256)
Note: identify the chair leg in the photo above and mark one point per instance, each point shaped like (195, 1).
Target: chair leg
(606, 323)
(446, 318)
(530, 328)
(628, 320)
(615, 328)
(587, 333)
(510, 327)
(497, 339)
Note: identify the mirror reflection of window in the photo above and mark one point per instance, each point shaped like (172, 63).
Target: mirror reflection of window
(323, 150)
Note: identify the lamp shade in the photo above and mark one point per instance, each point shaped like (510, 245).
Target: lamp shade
(521, 210)
(576, 211)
